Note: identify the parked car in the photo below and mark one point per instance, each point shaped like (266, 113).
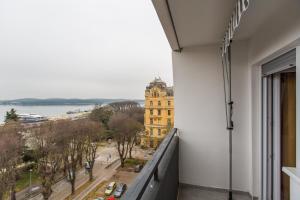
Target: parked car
(111, 198)
(138, 168)
(110, 188)
(121, 187)
(99, 198)
(34, 190)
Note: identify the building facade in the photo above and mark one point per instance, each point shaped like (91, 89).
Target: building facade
(159, 112)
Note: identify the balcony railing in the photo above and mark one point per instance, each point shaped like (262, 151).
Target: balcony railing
(159, 178)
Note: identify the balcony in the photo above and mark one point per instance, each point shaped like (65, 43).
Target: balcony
(159, 179)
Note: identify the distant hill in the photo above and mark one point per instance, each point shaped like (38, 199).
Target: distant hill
(61, 101)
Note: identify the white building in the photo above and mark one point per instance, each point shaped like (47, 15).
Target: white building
(265, 58)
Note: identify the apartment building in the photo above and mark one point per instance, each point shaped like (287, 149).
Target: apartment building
(159, 112)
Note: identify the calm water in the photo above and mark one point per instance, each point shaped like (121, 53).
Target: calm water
(49, 111)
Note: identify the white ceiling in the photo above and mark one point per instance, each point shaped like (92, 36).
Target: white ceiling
(202, 22)
(258, 13)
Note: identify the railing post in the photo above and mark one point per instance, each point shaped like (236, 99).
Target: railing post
(156, 175)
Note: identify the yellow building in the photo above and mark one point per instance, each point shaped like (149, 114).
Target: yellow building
(159, 112)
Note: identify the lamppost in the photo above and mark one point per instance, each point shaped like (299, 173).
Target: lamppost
(30, 171)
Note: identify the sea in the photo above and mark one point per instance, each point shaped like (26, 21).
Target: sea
(47, 111)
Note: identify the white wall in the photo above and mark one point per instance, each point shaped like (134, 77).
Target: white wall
(277, 35)
(200, 117)
(200, 111)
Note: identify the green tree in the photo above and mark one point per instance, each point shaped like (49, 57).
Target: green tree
(11, 115)
(101, 114)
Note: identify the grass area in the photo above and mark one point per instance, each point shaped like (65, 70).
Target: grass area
(24, 181)
(79, 190)
(132, 162)
(95, 192)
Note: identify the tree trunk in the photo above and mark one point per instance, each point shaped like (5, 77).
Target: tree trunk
(13, 194)
(1, 196)
(65, 169)
(46, 196)
(91, 174)
(122, 162)
(47, 193)
(73, 187)
(130, 155)
(131, 147)
(80, 163)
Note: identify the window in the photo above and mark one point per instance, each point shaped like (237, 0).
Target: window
(159, 103)
(169, 112)
(169, 122)
(169, 103)
(158, 121)
(151, 121)
(159, 112)
(159, 131)
(151, 112)
(151, 143)
(155, 94)
(151, 131)
(151, 103)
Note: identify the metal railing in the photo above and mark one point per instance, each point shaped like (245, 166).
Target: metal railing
(159, 178)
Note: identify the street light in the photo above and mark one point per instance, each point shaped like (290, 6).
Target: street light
(30, 171)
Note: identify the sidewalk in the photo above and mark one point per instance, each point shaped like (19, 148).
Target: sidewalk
(105, 175)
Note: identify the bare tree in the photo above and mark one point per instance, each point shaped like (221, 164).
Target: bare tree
(69, 142)
(124, 106)
(124, 129)
(4, 176)
(11, 144)
(49, 155)
(137, 113)
(91, 132)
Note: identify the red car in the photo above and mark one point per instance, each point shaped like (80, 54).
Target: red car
(111, 198)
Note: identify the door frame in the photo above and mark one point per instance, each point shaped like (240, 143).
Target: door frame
(271, 140)
(271, 128)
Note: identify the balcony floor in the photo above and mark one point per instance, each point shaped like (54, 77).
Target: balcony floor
(197, 193)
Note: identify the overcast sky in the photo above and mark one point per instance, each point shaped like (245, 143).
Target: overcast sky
(80, 48)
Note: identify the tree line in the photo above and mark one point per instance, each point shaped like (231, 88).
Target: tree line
(63, 147)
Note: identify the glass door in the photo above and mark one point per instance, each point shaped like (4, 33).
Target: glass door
(278, 125)
(279, 133)
(288, 129)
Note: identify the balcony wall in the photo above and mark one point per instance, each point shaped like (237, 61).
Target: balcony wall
(200, 117)
(159, 178)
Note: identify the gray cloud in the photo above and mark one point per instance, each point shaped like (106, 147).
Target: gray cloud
(80, 48)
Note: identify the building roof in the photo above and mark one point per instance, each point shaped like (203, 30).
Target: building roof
(158, 82)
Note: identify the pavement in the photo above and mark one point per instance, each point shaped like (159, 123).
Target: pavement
(105, 175)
